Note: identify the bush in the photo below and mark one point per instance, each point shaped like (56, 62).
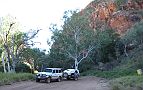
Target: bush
(8, 78)
(120, 2)
(21, 67)
(85, 65)
(109, 74)
(127, 83)
(1, 68)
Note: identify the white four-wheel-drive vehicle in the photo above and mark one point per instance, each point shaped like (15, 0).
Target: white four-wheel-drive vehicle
(71, 74)
(50, 74)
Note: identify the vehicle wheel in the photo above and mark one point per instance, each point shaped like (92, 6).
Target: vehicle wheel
(59, 79)
(76, 78)
(37, 80)
(68, 78)
(65, 75)
(48, 80)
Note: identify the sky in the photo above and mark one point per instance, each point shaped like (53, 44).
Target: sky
(39, 14)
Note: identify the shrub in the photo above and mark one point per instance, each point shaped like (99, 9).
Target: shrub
(1, 68)
(128, 82)
(8, 78)
(21, 67)
(115, 87)
(109, 74)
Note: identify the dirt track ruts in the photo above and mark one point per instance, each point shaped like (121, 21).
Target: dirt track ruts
(84, 83)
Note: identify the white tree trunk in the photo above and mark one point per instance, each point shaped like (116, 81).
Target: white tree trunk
(3, 63)
(8, 64)
(76, 64)
(12, 55)
(13, 62)
(125, 51)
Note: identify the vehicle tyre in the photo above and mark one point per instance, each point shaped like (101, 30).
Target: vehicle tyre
(59, 79)
(48, 80)
(37, 80)
(65, 75)
(68, 78)
(75, 78)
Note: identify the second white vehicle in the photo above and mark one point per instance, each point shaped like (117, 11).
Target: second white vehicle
(71, 74)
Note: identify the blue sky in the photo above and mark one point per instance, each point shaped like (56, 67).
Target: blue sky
(34, 14)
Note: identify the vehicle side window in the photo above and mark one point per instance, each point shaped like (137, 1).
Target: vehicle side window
(54, 71)
(60, 71)
(57, 71)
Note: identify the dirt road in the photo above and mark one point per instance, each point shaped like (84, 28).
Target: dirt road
(84, 83)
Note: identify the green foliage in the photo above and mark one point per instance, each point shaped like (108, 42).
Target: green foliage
(109, 74)
(77, 26)
(127, 83)
(105, 45)
(0, 52)
(21, 67)
(8, 78)
(11, 39)
(75, 37)
(18, 38)
(127, 66)
(35, 57)
(1, 68)
(125, 73)
(86, 65)
(133, 61)
(119, 3)
(134, 35)
(58, 59)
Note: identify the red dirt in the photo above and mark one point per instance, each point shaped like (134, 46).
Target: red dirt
(84, 83)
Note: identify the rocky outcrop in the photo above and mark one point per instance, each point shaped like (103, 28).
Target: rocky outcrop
(119, 19)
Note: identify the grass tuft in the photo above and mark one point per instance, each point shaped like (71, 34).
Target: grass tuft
(8, 78)
(127, 83)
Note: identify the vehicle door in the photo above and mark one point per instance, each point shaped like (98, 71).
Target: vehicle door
(54, 74)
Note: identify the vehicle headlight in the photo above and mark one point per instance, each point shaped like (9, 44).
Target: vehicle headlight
(37, 74)
(65, 74)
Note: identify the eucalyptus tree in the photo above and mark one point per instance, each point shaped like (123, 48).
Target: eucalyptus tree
(13, 41)
(6, 25)
(76, 39)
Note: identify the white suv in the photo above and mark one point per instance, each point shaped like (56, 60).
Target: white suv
(50, 74)
(71, 74)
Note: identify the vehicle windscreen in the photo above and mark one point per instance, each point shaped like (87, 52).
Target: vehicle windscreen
(48, 70)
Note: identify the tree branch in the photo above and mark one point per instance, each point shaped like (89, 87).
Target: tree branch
(70, 55)
(89, 50)
(32, 36)
(6, 37)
